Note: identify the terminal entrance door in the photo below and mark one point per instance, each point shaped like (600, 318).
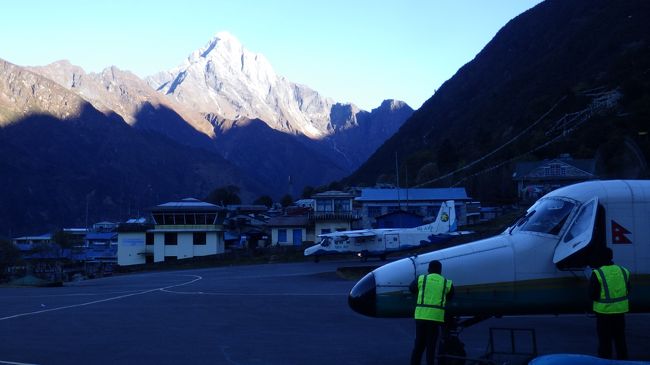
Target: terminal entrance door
(297, 237)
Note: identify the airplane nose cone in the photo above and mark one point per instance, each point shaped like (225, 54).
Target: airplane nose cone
(362, 298)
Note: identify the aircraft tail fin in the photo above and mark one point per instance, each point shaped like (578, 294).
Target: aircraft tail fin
(445, 221)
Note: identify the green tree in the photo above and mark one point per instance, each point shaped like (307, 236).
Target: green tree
(428, 172)
(9, 256)
(447, 156)
(286, 200)
(386, 179)
(307, 192)
(335, 186)
(225, 195)
(264, 200)
(61, 238)
(62, 241)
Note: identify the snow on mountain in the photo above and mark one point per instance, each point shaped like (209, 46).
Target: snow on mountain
(118, 91)
(226, 79)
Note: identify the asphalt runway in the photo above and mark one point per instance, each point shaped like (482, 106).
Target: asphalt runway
(261, 314)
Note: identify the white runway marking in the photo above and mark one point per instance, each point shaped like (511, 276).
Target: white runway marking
(255, 294)
(73, 295)
(15, 363)
(197, 278)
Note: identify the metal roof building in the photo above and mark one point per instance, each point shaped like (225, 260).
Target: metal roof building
(424, 202)
(435, 194)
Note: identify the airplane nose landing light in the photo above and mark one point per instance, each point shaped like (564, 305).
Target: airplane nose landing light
(362, 298)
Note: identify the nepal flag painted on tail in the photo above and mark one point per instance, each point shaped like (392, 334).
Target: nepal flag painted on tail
(619, 234)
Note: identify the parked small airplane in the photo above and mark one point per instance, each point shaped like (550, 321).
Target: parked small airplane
(539, 265)
(381, 241)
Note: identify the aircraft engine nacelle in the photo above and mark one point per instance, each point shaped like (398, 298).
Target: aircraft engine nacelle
(385, 292)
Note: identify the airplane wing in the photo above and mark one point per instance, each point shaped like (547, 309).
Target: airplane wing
(366, 233)
(459, 233)
(349, 234)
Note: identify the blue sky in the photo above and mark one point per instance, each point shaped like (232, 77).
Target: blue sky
(360, 51)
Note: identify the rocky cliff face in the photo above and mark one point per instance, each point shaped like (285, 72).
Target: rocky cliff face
(123, 93)
(226, 79)
(172, 133)
(226, 82)
(23, 92)
(59, 154)
(356, 134)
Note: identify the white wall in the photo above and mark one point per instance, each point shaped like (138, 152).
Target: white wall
(214, 245)
(184, 247)
(130, 245)
(159, 247)
(332, 226)
(289, 241)
(130, 248)
(274, 237)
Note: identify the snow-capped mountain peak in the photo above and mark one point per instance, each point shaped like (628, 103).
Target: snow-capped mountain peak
(226, 79)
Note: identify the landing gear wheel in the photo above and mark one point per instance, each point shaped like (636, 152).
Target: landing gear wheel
(451, 349)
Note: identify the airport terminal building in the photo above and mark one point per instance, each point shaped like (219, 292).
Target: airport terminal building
(183, 229)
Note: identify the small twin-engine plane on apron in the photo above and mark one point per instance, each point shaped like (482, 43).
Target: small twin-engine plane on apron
(379, 242)
(541, 264)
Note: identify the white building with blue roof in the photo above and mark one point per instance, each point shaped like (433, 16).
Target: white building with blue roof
(425, 202)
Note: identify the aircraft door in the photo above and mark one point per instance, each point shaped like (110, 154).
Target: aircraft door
(579, 233)
(392, 241)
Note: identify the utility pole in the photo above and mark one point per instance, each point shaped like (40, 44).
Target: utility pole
(399, 205)
(87, 198)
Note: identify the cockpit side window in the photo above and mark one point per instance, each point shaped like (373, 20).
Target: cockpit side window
(582, 222)
(325, 241)
(547, 216)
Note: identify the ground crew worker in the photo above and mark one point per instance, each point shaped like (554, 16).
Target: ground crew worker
(609, 288)
(433, 292)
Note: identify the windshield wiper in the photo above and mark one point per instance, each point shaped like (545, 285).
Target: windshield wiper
(520, 221)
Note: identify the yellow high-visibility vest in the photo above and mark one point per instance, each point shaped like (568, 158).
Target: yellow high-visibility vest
(613, 281)
(432, 297)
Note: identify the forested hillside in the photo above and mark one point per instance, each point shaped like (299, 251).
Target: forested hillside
(564, 77)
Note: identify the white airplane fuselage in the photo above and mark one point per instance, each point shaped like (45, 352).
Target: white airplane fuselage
(381, 242)
(535, 266)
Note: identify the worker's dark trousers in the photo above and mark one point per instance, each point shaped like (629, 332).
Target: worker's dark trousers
(611, 328)
(426, 335)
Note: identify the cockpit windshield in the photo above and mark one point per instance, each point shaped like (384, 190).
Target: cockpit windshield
(547, 216)
(326, 241)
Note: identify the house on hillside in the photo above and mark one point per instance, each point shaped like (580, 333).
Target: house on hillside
(424, 202)
(536, 178)
(289, 230)
(99, 253)
(333, 212)
(245, 226)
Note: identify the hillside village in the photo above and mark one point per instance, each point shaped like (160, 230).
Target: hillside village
(189, 228)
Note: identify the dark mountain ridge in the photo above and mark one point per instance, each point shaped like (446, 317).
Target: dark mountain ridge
(60, 172)
(563, 77)
(351, 137)
(77, 148)
(62, 160)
